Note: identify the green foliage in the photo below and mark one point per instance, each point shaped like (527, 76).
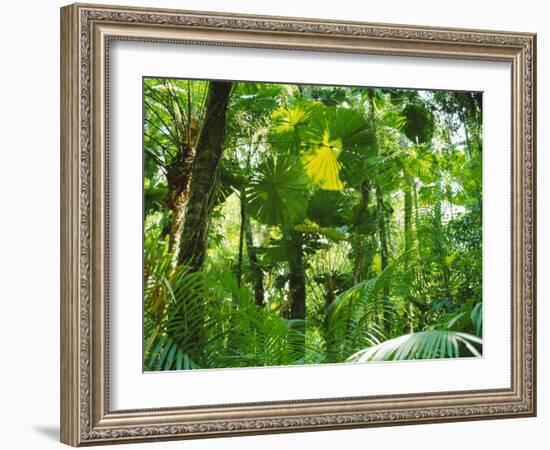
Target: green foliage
(309, 227)
(430, 344)
(288, 120)
(176, 322)
(256, 336)
(418, 126)
(277, 194)
(162, 353)
(361, 206)
(329, 208)
(336, 140)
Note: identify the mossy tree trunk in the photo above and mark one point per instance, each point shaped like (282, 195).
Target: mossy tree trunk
(202, 188)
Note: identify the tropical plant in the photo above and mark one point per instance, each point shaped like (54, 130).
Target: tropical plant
(291, 224)
(432, 344)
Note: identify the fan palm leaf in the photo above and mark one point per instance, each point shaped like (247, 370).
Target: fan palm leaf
(277, 194)
(336, 141)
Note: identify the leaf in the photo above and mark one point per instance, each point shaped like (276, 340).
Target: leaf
(277, 194)
(256, 98)
(310, 227)
(422, 167)
(336, 141)
(430, 344)
(419, 123)
(477, 318)
(289, 119)
(170, 358)
(328, 208)
(179, 361)
(322, 165)
(156, 351)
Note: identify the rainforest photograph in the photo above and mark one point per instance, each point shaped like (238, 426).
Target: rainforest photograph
(291, 224)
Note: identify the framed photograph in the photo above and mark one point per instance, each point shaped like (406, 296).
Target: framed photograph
(275, 224)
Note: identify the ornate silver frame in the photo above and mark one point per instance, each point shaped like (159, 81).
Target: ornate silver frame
(86, 31)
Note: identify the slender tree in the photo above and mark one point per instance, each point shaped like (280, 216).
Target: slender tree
(297, 277)
(256, 271)
(202, 189)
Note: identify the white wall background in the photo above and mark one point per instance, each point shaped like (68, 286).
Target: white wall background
(29, 223)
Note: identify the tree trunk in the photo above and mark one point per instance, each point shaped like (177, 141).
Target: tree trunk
(381, 213)
(441, 252)
(297, 292)
(241, 241)
(383, 256)
(363, 241)
(407, 200)
(408, 215)
(245, 237)
(202, 188)
(257, 274)
(297, 279)
(178, 177)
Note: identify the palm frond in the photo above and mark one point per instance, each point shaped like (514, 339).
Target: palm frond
(162, 353)
(277, 195)
(432, 344)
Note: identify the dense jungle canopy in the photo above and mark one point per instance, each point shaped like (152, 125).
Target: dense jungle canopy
(302, 224)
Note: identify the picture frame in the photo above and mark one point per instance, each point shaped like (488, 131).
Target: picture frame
(87, 32)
